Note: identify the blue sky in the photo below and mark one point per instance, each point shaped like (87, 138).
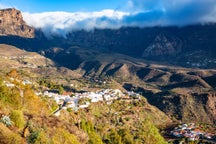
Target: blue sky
(63, 5)
(62, 16)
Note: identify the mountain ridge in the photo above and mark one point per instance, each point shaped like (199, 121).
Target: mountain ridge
(119, 54)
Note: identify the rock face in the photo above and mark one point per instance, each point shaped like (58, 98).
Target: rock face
(12, 23)
(162, 46)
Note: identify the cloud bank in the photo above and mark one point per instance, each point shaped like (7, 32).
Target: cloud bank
(62, 22)
(141, 13)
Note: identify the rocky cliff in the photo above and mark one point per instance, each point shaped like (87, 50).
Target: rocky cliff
(162, 46)
(12, 23)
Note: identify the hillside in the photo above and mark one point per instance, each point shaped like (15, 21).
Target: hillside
(21, 75)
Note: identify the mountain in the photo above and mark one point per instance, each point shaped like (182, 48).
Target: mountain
(190, 46)
(11, 23)
(162, 63)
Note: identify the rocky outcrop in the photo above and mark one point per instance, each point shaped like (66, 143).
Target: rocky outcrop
(12, 23)
(162, 46)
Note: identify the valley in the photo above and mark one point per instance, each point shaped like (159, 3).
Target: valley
(128, 85)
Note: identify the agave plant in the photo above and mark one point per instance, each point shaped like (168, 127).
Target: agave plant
(6, 121)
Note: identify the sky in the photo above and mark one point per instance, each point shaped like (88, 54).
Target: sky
(35, 6)
(62, 16)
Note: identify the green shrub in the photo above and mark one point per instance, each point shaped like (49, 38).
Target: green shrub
(62, 136)
(18, 118)
(114, 137)
(42, 138)
(94, 138)
(126, 136)
(32, 138)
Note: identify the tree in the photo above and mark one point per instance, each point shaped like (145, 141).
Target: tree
(60, 89)
(13, 73)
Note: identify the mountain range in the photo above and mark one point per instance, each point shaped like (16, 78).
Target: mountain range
(173, 67)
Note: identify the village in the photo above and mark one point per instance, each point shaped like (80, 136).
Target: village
(77, 101)
(192, 132)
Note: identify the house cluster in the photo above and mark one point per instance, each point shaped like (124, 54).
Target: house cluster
(191, 132)
(24, 82)
(83, 100)
(15, 57)
(98, 80)
(202, 63)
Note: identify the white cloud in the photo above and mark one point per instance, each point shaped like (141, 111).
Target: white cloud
(62, 22)
(139, 13)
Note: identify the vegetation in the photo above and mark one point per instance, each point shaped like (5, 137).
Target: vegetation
(51, 85)
(63, 137)
(9, 137)
(28, 119)
(109, 124)
(18, 118)
(6, 121)
(9, 97)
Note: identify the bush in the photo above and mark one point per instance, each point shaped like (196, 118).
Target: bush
(94, 138)
(62, 136)
(114, 137)
(127, 138)
(32, 138)
(18, 118)
(42, 138)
